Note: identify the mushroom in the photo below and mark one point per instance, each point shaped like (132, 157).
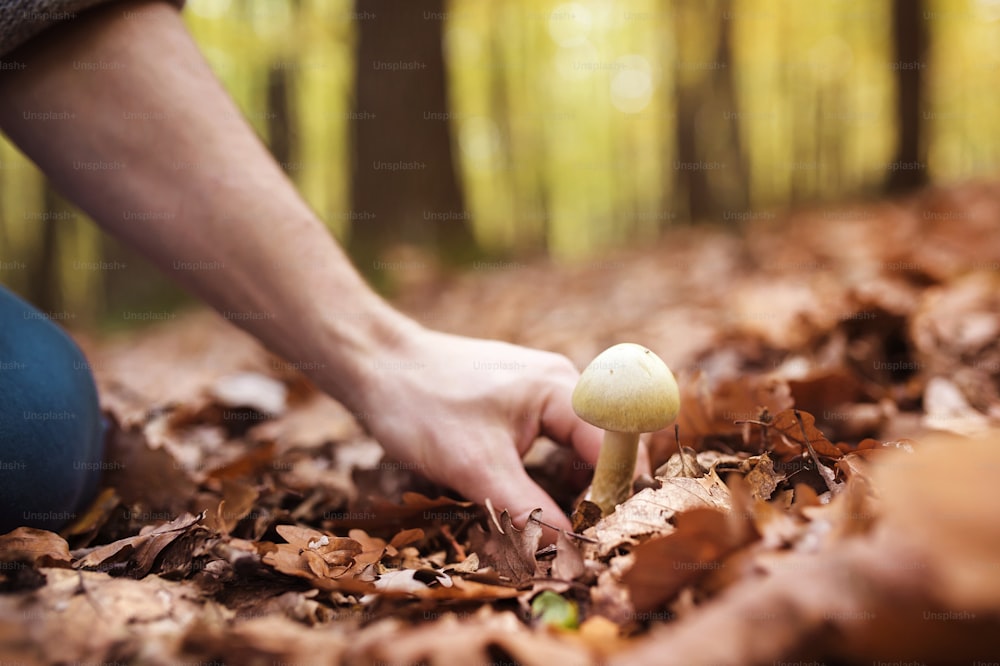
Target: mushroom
(626, 390)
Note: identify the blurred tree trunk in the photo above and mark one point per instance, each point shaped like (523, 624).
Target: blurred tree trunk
(404, 187)
(736, 181)
(280, 116)
(710, 167)
(909, 35)
(45, 271)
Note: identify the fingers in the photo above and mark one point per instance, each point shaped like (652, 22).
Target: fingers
(510, 488)
(522, 496)
(561, 423)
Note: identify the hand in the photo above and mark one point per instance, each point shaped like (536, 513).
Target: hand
(464, 411)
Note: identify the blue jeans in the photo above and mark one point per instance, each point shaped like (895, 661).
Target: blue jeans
(51, 429)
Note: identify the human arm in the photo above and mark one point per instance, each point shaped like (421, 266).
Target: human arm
(218, 214)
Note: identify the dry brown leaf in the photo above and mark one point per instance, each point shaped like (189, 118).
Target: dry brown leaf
(958, 325)
(685, 464)
(90, 616)
(610, 598)
(415, 510)
(469, 641)
(311, 566)
(712, 409)
(569, 563)
(146, 477)
(238, 499)
(790, 442)
(406, 537)
(943, 500)
(650, 511)
(180, 360)
(824, 389)
(666, 564)
(458, 589)
(314, 422)
(136, 555)
(34, 547)
(510, 551)
(785, 312)
(373, 550)
(947, 409)
(849, 341)
(762, 478)
(85, 528)
(923, 588)
(248, 464)
(314, 547)
(286, 559)
(272, 639)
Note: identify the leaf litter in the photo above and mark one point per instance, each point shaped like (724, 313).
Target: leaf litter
(829, 494)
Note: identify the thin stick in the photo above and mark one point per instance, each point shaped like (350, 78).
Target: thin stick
(812, 452)
(568, 533)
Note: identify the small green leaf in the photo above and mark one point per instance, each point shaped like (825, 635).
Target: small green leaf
(553, 610)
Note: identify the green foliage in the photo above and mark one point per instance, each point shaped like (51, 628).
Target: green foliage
(555, 611)
(563, 116)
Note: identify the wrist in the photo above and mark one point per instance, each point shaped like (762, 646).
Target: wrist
(358, 347)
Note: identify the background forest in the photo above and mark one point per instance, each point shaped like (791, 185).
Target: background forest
(471, 133)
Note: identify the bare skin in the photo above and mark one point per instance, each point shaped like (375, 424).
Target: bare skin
(227, 209)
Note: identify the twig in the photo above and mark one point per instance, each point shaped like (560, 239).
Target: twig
(568, 533)
(812, 452)
(460, 553)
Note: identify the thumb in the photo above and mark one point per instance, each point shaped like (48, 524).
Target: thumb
(561, 424)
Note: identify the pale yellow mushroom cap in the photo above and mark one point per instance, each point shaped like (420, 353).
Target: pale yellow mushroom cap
(627, 388)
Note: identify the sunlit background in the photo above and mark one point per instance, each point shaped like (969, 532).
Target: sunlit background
(557, 129)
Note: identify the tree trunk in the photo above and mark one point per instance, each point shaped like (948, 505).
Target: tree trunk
(404, 189)
(281, 118)
(909, 33)
(710, 166)
(43, 287)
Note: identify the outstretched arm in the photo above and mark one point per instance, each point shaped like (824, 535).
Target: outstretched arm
(123, 114)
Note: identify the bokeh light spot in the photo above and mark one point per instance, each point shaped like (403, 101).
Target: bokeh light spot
(570, 24)
(632, 84)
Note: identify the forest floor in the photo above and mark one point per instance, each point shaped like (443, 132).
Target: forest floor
(836, 499)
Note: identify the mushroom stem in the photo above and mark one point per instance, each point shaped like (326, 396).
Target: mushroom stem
(612, 482)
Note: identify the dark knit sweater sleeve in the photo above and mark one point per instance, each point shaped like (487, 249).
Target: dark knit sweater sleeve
(20, 20)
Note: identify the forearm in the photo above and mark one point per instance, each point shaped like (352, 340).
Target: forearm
(157, 153)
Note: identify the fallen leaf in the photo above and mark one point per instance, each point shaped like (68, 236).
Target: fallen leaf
(246, 465)
(34, 547)
(569, 563)
(238, 499)
(470, 641)
(924, 589)
(147, 477)
(711, 409)
(92, 615)
(792, 442)
(650, 511)
(947, 409)
(273, 638)
(663, 565)
(507, 549)
(762, 478)
(135, 556)
(415, 510)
